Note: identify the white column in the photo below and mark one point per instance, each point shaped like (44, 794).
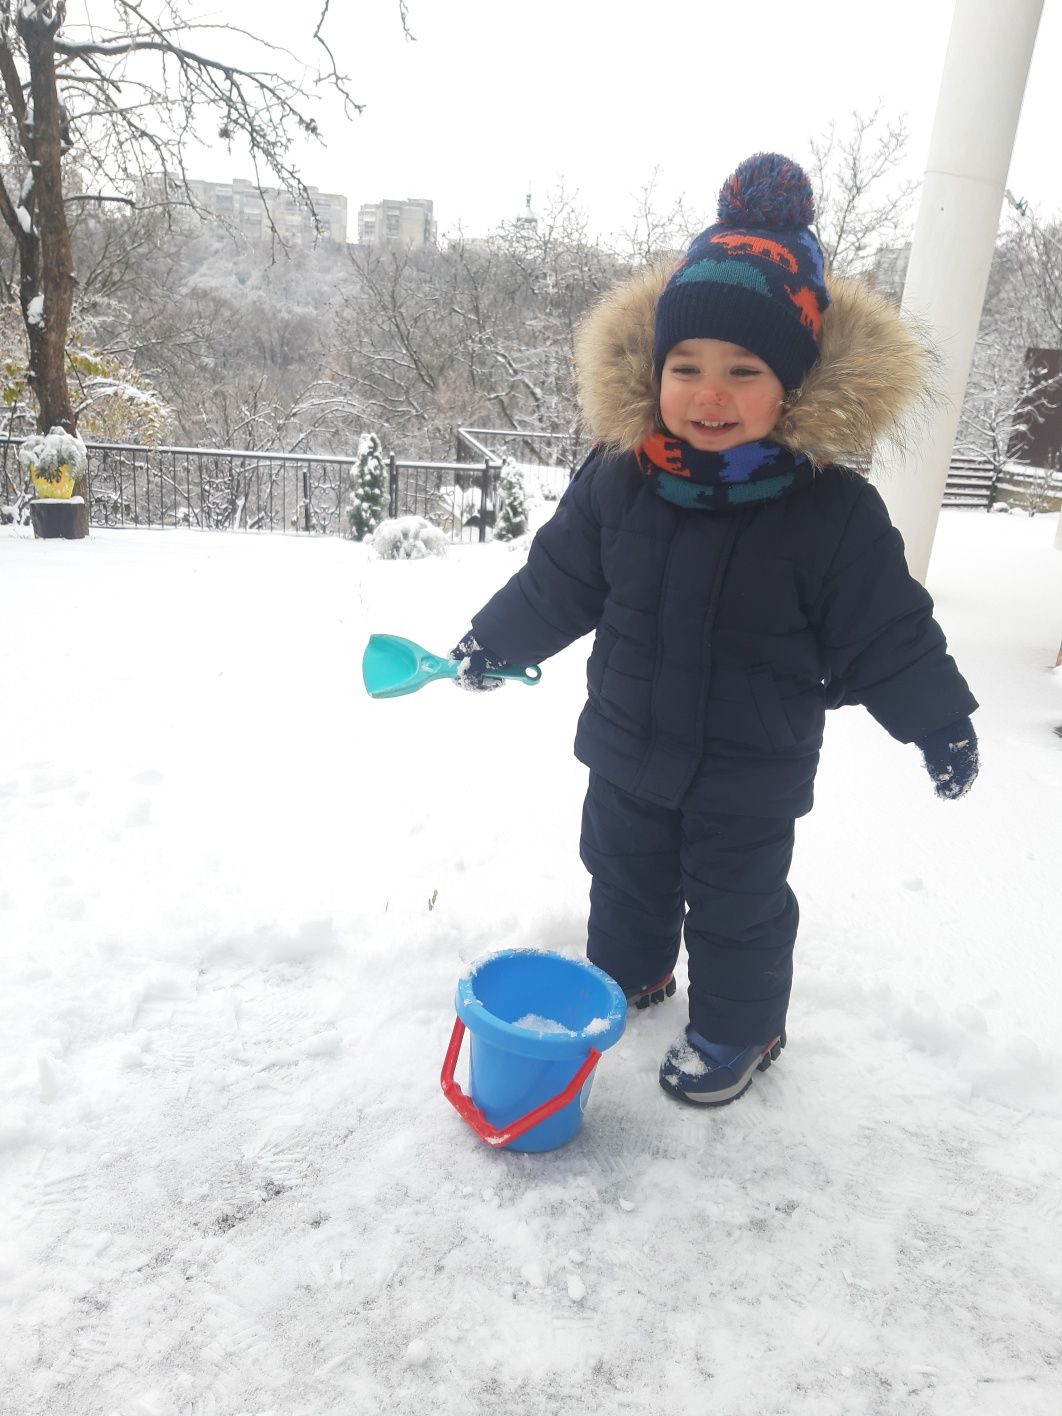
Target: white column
(989, 53)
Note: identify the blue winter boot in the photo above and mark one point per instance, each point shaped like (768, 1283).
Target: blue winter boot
(713, 1073)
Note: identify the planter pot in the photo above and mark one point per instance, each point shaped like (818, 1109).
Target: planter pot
(58, 488)
(59, 518)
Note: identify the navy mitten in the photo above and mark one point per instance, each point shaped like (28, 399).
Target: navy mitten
(951, 758)
(476, 662)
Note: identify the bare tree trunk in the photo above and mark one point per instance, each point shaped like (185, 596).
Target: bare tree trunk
(46, 265)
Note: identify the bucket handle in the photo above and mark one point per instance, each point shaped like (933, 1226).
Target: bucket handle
(502, 1135)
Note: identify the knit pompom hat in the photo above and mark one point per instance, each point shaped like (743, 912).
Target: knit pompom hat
(755, 278)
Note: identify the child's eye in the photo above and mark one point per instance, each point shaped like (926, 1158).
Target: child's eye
(685, 370)
(744, 373)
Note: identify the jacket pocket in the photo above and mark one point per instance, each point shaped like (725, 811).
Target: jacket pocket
(604, 643)
(772, 714)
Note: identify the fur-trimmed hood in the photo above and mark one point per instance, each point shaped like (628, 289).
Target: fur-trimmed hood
(873, 372)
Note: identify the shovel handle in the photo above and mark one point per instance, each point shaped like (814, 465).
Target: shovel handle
(438, 667)
(470, 1112)
(522, 673)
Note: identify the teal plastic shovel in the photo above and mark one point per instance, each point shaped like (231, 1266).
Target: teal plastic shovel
(392, 666)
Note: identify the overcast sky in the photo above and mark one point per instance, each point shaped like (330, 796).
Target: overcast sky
(494, 96)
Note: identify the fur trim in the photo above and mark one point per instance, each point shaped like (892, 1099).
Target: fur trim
(874, 371)
(614, 361)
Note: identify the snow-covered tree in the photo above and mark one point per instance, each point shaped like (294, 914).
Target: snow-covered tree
(112, 401)
(234, 338)
(1003, 399)
(470, 332)
(511, 519)
(368, 493)
(1008, 396)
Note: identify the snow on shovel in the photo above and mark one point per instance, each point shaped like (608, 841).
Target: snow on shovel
(392, 666)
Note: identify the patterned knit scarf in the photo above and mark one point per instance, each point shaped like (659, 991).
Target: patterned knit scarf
(746, 475)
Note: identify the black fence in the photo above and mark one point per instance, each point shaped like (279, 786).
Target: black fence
(458, 497)
(548, 460)
(229, 489)
(219, 489)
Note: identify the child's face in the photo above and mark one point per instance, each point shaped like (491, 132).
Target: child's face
(716, 395)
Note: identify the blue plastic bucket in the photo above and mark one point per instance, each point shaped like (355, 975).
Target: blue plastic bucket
(535, 1019)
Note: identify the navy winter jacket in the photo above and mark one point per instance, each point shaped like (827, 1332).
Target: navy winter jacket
(721, 634)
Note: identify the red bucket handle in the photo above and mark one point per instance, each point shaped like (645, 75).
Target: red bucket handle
(502, 1135)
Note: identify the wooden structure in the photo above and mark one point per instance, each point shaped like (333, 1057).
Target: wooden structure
(59, 517)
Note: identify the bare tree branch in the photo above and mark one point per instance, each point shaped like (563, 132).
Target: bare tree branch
(861, 205)
(403, 13)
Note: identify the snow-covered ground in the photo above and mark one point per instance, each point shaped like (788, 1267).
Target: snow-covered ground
(229, 1182)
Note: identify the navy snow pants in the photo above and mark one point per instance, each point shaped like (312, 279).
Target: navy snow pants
(655, 868)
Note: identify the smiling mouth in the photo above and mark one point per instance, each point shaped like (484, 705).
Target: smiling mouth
(712, 427)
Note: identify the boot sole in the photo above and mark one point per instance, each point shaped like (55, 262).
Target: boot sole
(654, 995)
(727, 1094)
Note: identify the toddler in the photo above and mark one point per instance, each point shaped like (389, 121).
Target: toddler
(740, 579)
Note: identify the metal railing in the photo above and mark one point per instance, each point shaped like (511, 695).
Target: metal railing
(549, 460)
(458, 497)
(234, 489)
(218, 489)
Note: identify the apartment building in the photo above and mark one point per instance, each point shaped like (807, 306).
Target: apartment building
(399, 223)
(240, 203)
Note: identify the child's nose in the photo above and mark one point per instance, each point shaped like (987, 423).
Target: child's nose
(711, 393)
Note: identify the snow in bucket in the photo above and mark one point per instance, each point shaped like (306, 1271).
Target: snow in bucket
(533, 1017)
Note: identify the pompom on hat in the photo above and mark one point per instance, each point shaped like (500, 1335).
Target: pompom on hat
(756, 277)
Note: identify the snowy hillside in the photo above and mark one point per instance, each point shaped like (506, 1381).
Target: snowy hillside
(229, 1182)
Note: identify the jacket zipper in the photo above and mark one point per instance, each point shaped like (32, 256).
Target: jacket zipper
(725, 552)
